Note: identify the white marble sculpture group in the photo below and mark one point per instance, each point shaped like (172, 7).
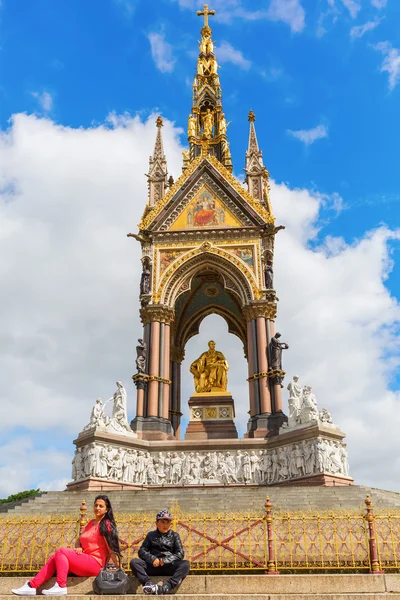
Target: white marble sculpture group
(223, 467)
(118, 422)
(303, 409)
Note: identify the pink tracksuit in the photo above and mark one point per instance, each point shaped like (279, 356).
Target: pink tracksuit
(66, 560)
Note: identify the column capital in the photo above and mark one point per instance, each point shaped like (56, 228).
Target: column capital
(177, 354)
(157, 312)
(266, 309)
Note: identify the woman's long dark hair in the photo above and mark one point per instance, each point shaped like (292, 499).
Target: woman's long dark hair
(108, 527)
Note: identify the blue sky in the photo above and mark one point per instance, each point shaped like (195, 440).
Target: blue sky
(322, 76)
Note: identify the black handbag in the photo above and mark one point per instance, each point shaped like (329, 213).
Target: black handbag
(111, 580)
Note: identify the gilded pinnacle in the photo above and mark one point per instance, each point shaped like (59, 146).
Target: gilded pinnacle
(251, 117)
(159, 121)
(205, 13)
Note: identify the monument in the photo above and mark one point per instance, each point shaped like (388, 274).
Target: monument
(207, 243)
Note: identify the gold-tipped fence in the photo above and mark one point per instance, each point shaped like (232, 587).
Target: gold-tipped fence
(259, 541)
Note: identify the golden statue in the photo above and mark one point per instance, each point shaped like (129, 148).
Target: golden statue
(210, 371)
(191, 125)
(208, 122)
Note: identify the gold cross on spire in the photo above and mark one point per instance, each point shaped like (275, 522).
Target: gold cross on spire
(205, 12)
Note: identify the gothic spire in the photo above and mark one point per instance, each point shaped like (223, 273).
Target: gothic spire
(253, 144)
(207, 124)
(256, 174)
(158, 173)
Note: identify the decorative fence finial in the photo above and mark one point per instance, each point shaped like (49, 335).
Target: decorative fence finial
(272, 570)
(373, 553)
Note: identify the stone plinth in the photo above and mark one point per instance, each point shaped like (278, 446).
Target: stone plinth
(211, 417)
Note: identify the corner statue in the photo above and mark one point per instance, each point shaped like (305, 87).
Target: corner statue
(210, 371)
(276, 348)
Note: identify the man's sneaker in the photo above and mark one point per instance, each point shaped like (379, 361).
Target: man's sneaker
(56, 590)
(150, 589)
(25, 590)
(167, 588)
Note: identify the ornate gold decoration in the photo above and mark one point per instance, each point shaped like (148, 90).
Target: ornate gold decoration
(148, 218)
(205, 13)
(197, 413)
(250, 276)
(210, 370)
(211, 413)
(257, 376)
(224, 412)
(267, 310)
(160, 313)
(211, 291)
(145, 377)
(258, 208)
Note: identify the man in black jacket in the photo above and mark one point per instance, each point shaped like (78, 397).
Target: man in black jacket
(161, 554)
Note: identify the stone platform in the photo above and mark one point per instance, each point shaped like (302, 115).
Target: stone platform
(252, 587)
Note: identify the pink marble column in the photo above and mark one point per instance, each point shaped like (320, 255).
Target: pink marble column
(265, 397)
(140, 402)
(278, 397)
(166, 371)
(250, 361)
(154, 364)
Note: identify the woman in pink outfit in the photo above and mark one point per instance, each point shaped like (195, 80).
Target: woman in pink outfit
(99, 538)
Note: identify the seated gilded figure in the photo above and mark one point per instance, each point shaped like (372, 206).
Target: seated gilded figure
(210, 371)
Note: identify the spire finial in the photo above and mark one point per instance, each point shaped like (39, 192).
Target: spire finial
(205, 13)
(159, 121)
(252, 116)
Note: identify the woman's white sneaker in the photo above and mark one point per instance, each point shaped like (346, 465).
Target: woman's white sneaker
(25, 590)
(56, 590)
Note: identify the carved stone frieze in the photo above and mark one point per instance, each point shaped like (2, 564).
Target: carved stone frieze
(263, 467)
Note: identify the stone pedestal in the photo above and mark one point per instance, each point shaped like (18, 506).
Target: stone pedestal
(211, 417)
(152, 428)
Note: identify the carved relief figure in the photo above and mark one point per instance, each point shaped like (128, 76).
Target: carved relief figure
(210, 370)
(276, 348)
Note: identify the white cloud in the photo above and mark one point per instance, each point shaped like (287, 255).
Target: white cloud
(353, 6)
(23, 466)
(309, 136)
(391, 62)
(161, 52)
(379, 3)
(45, 101)
(226, 53)
(359, 30)
(69, 320)
(288, 11)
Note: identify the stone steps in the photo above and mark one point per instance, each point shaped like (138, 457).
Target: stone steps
(220, 499)
(241, 587)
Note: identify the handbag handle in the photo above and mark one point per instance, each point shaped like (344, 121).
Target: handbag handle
(116, 554)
